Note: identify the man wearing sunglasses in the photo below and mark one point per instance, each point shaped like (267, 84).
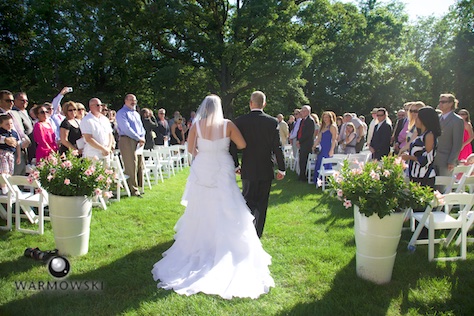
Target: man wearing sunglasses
(6, 106)
(450, 141)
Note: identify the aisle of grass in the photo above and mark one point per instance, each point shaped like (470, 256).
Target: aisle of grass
(309, 236)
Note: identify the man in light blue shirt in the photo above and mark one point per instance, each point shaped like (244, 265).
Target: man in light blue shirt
(132, 137)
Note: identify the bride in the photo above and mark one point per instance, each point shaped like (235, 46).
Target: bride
(216, 249)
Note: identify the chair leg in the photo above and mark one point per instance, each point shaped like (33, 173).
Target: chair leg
(431, 239)
(41, 220)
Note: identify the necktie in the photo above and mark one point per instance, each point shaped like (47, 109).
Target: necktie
(300, 130)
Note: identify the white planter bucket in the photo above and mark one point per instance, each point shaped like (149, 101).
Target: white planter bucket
(71, 219)
(376, 243)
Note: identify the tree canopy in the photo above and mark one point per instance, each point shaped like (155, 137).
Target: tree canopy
(171, 53)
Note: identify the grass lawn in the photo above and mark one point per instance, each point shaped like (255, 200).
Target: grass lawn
(309, 236)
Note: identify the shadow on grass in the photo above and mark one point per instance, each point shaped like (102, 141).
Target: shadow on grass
(350, 295)
(127, 282)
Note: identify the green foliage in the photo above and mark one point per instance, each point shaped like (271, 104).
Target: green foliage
(331, 55)
(71, 175)
(379, 187)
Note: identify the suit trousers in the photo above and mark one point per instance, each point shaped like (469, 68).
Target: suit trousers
(304, 153)
(132, 163)
(256, 194)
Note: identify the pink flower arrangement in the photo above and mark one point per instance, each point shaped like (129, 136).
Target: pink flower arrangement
(71, 175)
(380, 187)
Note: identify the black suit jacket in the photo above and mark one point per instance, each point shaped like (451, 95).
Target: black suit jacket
(381, 140)
(307, 134)
(260, 132)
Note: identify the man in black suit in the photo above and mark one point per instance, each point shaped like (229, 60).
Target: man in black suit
(380, 143)
(305, 139)
(263, 141)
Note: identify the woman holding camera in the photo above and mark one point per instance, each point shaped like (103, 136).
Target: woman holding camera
(326, 141)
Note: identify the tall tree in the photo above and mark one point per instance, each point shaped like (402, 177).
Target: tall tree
(241, 47)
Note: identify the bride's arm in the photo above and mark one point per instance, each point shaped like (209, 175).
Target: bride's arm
(236, 136)
(192, 138)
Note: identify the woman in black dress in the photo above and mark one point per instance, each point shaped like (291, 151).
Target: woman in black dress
(69, 131)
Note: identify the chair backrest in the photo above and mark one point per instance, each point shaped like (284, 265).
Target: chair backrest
(4, 182)
(361, 157)
(336, 163)
(34, 185)
(465, 200)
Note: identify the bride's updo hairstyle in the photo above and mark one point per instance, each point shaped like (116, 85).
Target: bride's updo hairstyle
(210, 117)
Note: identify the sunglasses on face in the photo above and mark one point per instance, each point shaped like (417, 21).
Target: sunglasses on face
(43, 112)
(72, 110)
(413, 111)
(444, 101)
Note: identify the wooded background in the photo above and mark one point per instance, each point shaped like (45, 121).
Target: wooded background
(172, 53)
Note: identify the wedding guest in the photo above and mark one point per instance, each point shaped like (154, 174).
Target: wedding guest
(339, 123)
(372, 124)
(151, 127)
(81, 111)
(294, 133)
(43, 134)
(305, 139)
(316, 124)
(111, 115)
(97, 133)
(70, 130)
(177, 132)
(326, 142)
(56, 115)
(411, 130)
(350, 139)
(450, 141)
(283, 130)
(423, 148)
(291, 124)
(468, 135)
(400, 129)
(163, 134)
(380, 143)
(132, 136)
(9, 155)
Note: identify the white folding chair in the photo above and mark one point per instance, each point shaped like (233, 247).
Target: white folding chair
(187, 157)
(460, 174)
(325, 173)
(288, 155)
(441, 219)
(121, 178)
(28, 201)
(7, 199)
(175, 152)
(165, 159)
(152, 163)
(360, 157)
(310, 164)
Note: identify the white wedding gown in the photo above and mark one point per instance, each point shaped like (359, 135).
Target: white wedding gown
(216, 248)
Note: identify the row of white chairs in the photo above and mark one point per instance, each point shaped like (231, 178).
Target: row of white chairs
(29, 200)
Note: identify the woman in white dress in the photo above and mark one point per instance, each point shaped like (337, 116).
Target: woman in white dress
(216, 249)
